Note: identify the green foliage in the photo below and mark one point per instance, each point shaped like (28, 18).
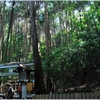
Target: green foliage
(97, 89)
(42, 49)
(75, 43)
(30, 56)
(81, 48)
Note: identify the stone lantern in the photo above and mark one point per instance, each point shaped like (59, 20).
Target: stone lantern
(24, 77)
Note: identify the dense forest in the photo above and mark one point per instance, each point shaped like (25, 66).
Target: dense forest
(61, 38)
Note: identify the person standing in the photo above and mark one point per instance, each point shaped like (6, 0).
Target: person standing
(10, 92)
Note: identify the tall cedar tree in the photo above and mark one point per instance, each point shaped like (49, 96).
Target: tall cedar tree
(9, 31)
(39, 84)
(48, 47)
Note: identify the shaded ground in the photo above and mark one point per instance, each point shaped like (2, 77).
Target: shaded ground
(89, 87)
(94, 86)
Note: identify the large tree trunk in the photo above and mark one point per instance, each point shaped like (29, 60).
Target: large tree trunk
(39, 84)
(2, 33)
(48, 47)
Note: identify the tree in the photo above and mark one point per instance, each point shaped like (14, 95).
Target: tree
(2, 32)
(39, 84)
(48, 46)
(9, 31)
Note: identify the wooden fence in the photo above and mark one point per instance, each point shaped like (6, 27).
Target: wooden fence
(91, 95)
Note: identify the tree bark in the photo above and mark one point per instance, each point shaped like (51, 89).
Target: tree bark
(39, 84)
(9, 30)
(48, 47)
(2, 33)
